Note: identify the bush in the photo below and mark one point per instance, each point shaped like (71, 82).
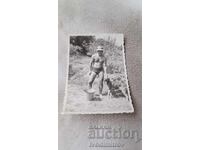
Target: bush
(74, 50)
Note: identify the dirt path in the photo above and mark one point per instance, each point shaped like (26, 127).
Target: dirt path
(78, 102)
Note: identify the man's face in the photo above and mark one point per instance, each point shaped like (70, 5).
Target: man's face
(100, 53)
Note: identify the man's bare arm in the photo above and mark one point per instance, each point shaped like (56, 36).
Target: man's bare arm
(105, 67)
(91, 63)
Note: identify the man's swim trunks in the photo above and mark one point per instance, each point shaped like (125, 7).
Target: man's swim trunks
(97, 70)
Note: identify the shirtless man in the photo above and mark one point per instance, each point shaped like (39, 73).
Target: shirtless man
(98, 68)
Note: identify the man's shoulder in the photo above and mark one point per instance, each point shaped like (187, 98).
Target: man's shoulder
(94, 55)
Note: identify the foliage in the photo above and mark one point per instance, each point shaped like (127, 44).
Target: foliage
(86, 46)
(81, 43)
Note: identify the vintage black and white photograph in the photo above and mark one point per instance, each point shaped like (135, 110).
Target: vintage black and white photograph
(96, 80)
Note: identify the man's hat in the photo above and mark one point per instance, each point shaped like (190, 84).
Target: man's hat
(99, 48)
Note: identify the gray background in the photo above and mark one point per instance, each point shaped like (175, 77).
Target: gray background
(101, 16)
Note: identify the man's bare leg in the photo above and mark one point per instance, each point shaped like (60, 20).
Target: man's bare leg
(101, 78)
(91, 79)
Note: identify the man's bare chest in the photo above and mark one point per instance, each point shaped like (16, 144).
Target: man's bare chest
(99, 59)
